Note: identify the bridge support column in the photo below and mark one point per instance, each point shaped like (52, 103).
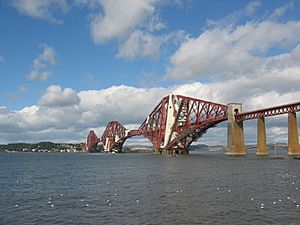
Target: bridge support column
(180, 151)
(261, 148)
(293, 141)
(235, 131)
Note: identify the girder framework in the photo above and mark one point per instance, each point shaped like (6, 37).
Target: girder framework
(272, 111)
(173, 124)
(178, 120)
(113, 135)
(91, 142)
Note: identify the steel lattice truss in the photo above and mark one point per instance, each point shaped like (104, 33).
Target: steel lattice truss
(92, 141)
(176, 122)
(191, 118)
(273, 111)
(114, 135)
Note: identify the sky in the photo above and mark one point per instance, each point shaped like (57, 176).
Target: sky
(67, 67)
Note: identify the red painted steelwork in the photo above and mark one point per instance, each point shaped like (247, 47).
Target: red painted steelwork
(153, 127)
(192, 118)
(273, 111)
(113, 132)
(92, 141)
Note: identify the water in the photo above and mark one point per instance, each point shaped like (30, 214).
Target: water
(204, 188)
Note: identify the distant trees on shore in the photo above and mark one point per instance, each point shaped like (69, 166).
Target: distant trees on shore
(41, 147)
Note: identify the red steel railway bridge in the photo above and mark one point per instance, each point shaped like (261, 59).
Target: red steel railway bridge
(178, 120)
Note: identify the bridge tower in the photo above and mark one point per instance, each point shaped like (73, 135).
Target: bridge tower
(262, 149)
(293, 141)
(176, 114)
(235, 131)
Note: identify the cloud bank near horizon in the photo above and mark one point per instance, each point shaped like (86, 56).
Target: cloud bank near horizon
(64, 115)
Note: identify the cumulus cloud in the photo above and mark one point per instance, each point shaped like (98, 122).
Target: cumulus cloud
(41, 9)
(123, 103)
(42, 63)
(239, 63)
(64, 115)
(133, 24)
(119, 17)
(56, 97)
(63, 111)
(140, 44)
(232, 51)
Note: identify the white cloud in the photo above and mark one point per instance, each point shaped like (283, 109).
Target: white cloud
(140, 44)
(280, 11)
(39, 76)
(61, 112)
(155, 23)
(239, 61)
(41, 9)
(232, 51)
(56, 97)
(123, 103)
(252, 6)
(132, 23)
(119, 18)
(91, 3)
(42, 63)
(145, 45)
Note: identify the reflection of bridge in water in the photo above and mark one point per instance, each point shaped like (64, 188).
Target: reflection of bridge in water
(178, 120)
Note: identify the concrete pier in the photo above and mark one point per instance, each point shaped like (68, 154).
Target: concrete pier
(293, 141)
(235, 131)
(261, 148)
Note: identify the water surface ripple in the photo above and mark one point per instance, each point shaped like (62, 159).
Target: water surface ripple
(203, 188)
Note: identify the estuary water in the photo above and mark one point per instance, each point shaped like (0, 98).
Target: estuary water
(202, 188)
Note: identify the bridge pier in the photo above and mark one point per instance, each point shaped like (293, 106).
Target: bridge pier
(261, 148)
(179, 151)
(293, 141)
(235, 131)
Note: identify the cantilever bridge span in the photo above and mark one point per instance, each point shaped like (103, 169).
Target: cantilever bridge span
(179, 120)
(173, 125)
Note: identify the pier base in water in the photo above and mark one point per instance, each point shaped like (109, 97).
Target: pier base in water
(235, 132)
(172, 152)
(261, 149)
(293, 141)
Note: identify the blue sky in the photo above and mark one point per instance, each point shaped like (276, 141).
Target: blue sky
(87, 58)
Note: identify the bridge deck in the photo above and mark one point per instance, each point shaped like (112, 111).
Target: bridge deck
(272, 111)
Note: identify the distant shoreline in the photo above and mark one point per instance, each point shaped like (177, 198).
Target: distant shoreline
(49, 147)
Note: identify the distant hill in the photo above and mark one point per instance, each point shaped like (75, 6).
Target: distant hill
(69, 147)
(41, 147)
